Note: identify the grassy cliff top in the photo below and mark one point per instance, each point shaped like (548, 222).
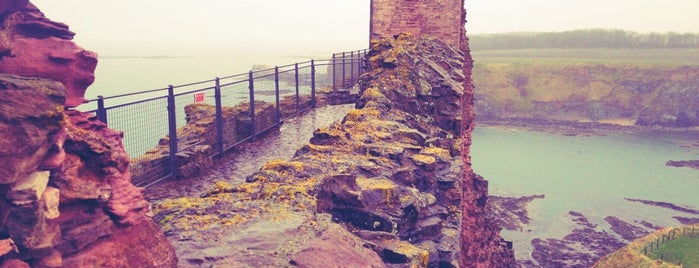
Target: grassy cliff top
(688, 56)
(632, 254)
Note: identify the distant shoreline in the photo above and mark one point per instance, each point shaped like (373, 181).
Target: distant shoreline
(156, 57)
(577, 128)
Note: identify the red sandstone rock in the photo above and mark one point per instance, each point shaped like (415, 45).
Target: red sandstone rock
(30, 118)
(31, 45)
(335, 247)
(14, 263)
(67, 199)
(90, 144)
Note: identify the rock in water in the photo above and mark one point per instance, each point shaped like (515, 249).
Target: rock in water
(67, 196)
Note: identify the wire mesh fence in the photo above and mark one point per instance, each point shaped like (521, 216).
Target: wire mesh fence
(163, 127)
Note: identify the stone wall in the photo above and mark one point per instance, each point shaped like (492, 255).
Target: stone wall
(67, 199)
(436, 18)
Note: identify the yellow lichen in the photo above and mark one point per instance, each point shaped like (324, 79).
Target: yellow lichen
(281, 165)
(421, 159)
(181, 203)
(362, 114)
(366, 183)
(373, 93)
(436, 151)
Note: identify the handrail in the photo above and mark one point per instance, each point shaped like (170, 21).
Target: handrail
(346, 60)
(147, 120)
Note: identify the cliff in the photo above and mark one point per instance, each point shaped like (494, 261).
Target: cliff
(67, 197)
(607, 92)
(381, 188)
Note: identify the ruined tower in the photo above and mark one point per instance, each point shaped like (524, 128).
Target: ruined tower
(441, 19)
(481, 244)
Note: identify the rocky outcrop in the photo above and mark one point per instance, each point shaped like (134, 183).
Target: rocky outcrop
(629, 93)
(67, 196)
(389, 174)
(34, 46)
(683, 163)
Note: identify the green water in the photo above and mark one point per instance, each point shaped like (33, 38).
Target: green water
(591, 175)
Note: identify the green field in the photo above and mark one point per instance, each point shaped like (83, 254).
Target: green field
(683, 250)
(602, 55)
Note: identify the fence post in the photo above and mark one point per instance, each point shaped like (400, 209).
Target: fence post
(251, 86)
(276, 93)
(101, 111)
(219, 117)
(343, 70)
(296, 78)
(360, 66)
(365, 62)
(334, 74)
(172, 123)
(352, 67)
(313, 84)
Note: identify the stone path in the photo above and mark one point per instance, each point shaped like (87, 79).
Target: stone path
(249, 157)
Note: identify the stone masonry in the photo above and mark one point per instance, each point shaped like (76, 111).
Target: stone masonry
(436, 18)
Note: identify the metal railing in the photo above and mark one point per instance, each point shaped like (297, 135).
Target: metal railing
(151, 118)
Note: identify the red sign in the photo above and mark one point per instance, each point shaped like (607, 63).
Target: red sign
(199, 97)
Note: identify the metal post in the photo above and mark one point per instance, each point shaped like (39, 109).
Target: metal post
(172, 123)
(362, 63)
(251, 86)
(276, 93)
(343, 70)
(101, 111)
(219, 117)
(296, 77)
(352, 67)
(313, 84)
(334, 74)
(365, 62)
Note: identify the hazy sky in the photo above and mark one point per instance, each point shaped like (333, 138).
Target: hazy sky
(171, 26)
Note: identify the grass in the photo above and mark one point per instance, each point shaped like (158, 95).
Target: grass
(600, 55)
(683, 250)
(632, 254)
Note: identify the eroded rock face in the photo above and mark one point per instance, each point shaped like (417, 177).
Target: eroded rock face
(65, 182)
(34, 46)
(629, 93)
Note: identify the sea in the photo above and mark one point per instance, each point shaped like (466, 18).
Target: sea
(592, 175)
